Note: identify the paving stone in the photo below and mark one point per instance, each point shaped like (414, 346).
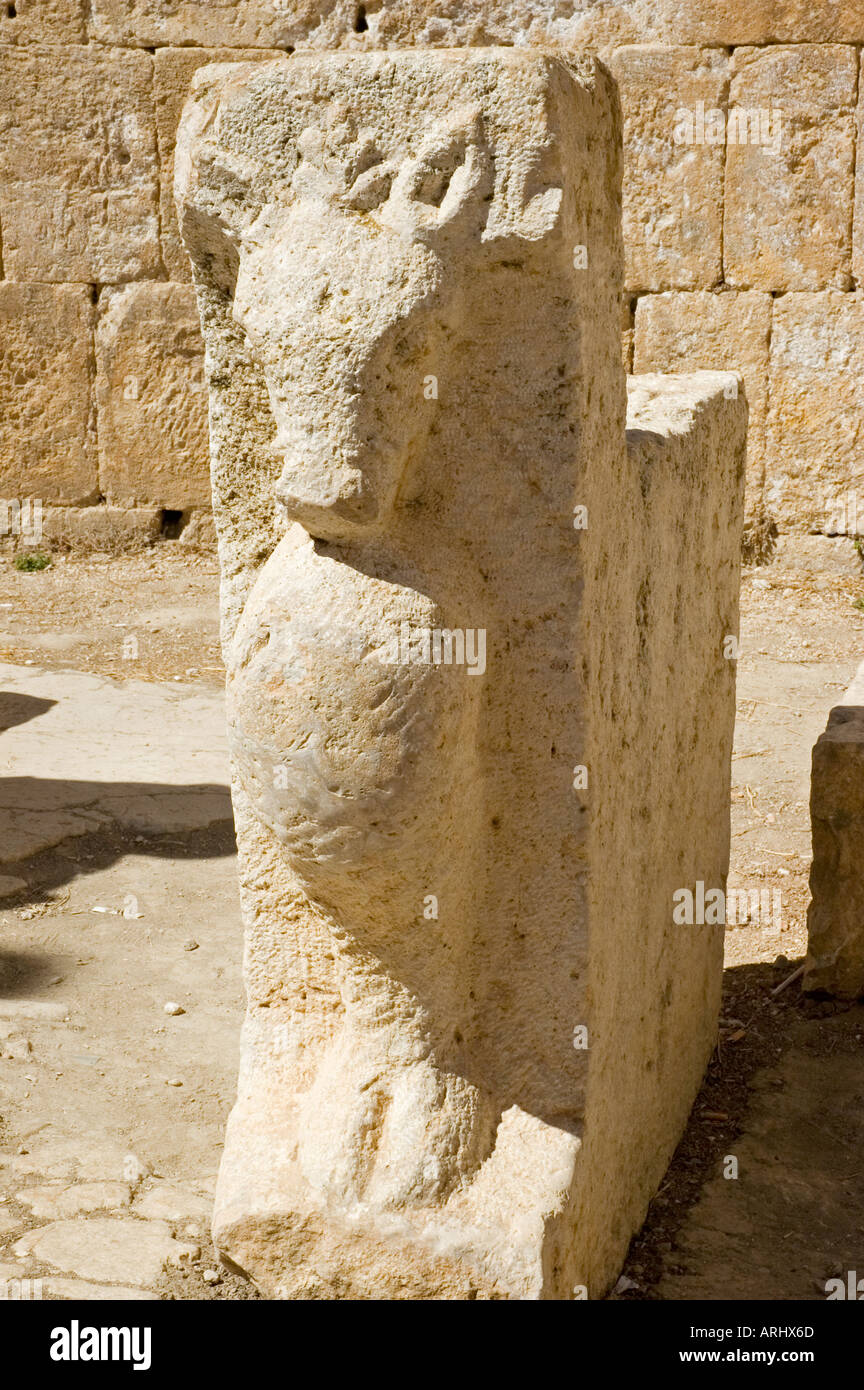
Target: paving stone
(173, 1204)
(122, 1250)
(139, 735)
(56, 1201)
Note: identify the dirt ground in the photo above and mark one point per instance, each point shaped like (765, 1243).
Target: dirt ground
(113, 1108)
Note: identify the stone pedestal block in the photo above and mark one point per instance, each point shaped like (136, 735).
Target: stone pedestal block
(835, 918)
(479, 704)
(732, 330)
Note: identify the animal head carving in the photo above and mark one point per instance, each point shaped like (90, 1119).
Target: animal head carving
(346, 282)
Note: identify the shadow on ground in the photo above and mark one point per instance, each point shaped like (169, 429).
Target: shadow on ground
(49, 871)
(784, 1099)
(19, 709)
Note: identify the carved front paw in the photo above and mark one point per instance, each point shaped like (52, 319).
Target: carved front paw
(405, 1139)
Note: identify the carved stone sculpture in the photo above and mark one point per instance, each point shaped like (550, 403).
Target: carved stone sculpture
(480, 715)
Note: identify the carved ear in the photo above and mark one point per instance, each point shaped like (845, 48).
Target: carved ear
(447, 184)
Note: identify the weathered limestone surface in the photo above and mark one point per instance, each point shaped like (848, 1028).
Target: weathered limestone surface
(119, 1249)
(426, 23)
(720, 22)
(731, 330)
(858, 218)
(47, 443)
(415, 389)
(173, 71)
(835, 918)
(151, 398)
(78, 165)
(43, 21)
(101, 528)
(673, 191)
(788, 201)
(209, 23)
(814, 465)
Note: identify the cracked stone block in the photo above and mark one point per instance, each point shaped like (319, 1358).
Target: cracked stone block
(835, 917)
(814, 473)
(672, 189)
(700, 330)
(473, 1029)
(151, 399)
(790, 168)
(47, 443)
(78, 165)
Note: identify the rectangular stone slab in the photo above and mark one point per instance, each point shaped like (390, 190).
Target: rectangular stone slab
(835, 917)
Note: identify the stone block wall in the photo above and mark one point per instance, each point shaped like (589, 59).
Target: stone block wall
(743, 218)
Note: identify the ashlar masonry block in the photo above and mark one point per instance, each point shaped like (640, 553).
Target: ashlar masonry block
(151, 398)
(78, 165)
(814, 473)
(47, 440)
(790, 158)
(673, 173)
